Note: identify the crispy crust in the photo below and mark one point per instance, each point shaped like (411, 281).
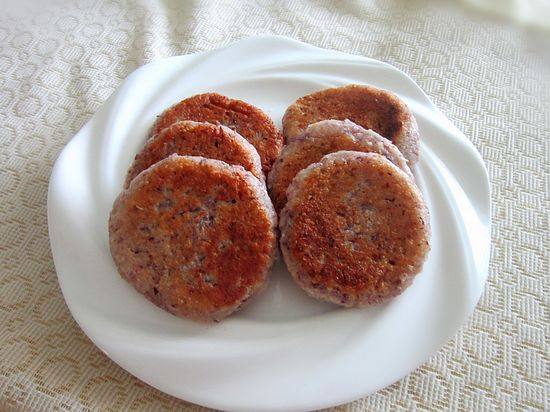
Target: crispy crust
(196, 236)
(367, 106)
(247, 120)
(319, 139)
(197, 139)
(355, 230)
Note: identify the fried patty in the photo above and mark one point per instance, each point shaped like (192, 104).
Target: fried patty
(319, 139)
(247, 120)
(355, 230)
(196, 236)
(367, 106)
(197, 139)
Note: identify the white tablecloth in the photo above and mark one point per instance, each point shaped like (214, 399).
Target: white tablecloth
(59, 60)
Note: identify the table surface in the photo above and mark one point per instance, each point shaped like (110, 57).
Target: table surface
(60, 60)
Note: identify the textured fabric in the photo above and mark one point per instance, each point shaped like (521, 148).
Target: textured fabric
(60, 60)
(526, 12)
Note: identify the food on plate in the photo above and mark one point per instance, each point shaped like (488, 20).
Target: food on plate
(197, 139)
(367, 106)
(195, 231)
(319, 139)
(355, 229)
(196, 236)
(247, 120)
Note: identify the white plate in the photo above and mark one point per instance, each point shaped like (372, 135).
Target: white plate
(285, 351)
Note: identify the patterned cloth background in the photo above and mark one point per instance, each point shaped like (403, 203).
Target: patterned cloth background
(60, 60)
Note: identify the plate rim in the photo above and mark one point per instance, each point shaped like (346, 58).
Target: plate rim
(80, 134)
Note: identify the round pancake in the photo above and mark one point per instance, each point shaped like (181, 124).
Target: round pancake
(247, 120)
(196, 236)
(355, 230)
(319, 139)
(367, 106)
(197, 139)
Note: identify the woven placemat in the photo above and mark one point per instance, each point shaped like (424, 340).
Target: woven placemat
(59, 60)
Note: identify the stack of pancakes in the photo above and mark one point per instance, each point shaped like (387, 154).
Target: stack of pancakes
(194, 229)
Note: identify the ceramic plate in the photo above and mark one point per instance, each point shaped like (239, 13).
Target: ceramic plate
(285, 351)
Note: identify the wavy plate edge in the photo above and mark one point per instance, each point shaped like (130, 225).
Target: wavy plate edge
(483, 202)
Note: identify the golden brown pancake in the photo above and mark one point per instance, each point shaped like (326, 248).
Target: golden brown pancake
(196, 236)
(319, 139)
(247, 120)
(355, 230)
(197, 139)
(367, 106)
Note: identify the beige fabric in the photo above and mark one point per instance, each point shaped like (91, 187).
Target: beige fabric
(527, 12)
(59, 60)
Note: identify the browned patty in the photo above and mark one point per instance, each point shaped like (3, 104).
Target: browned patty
(197, 139)
(247, 120)
(319, 139)
(367, 106)
(196, 236)
(355, 230)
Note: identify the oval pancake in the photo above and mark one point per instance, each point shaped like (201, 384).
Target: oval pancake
(355, 230)
(319, 139)
(367, 106)
(197, 139)
(247, 120)
(196, 236)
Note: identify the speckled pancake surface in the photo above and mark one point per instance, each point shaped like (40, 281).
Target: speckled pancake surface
(367, 106)
(196, 236)
(355, 230)
(247, 120)
(319, 139)
(197, 139)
